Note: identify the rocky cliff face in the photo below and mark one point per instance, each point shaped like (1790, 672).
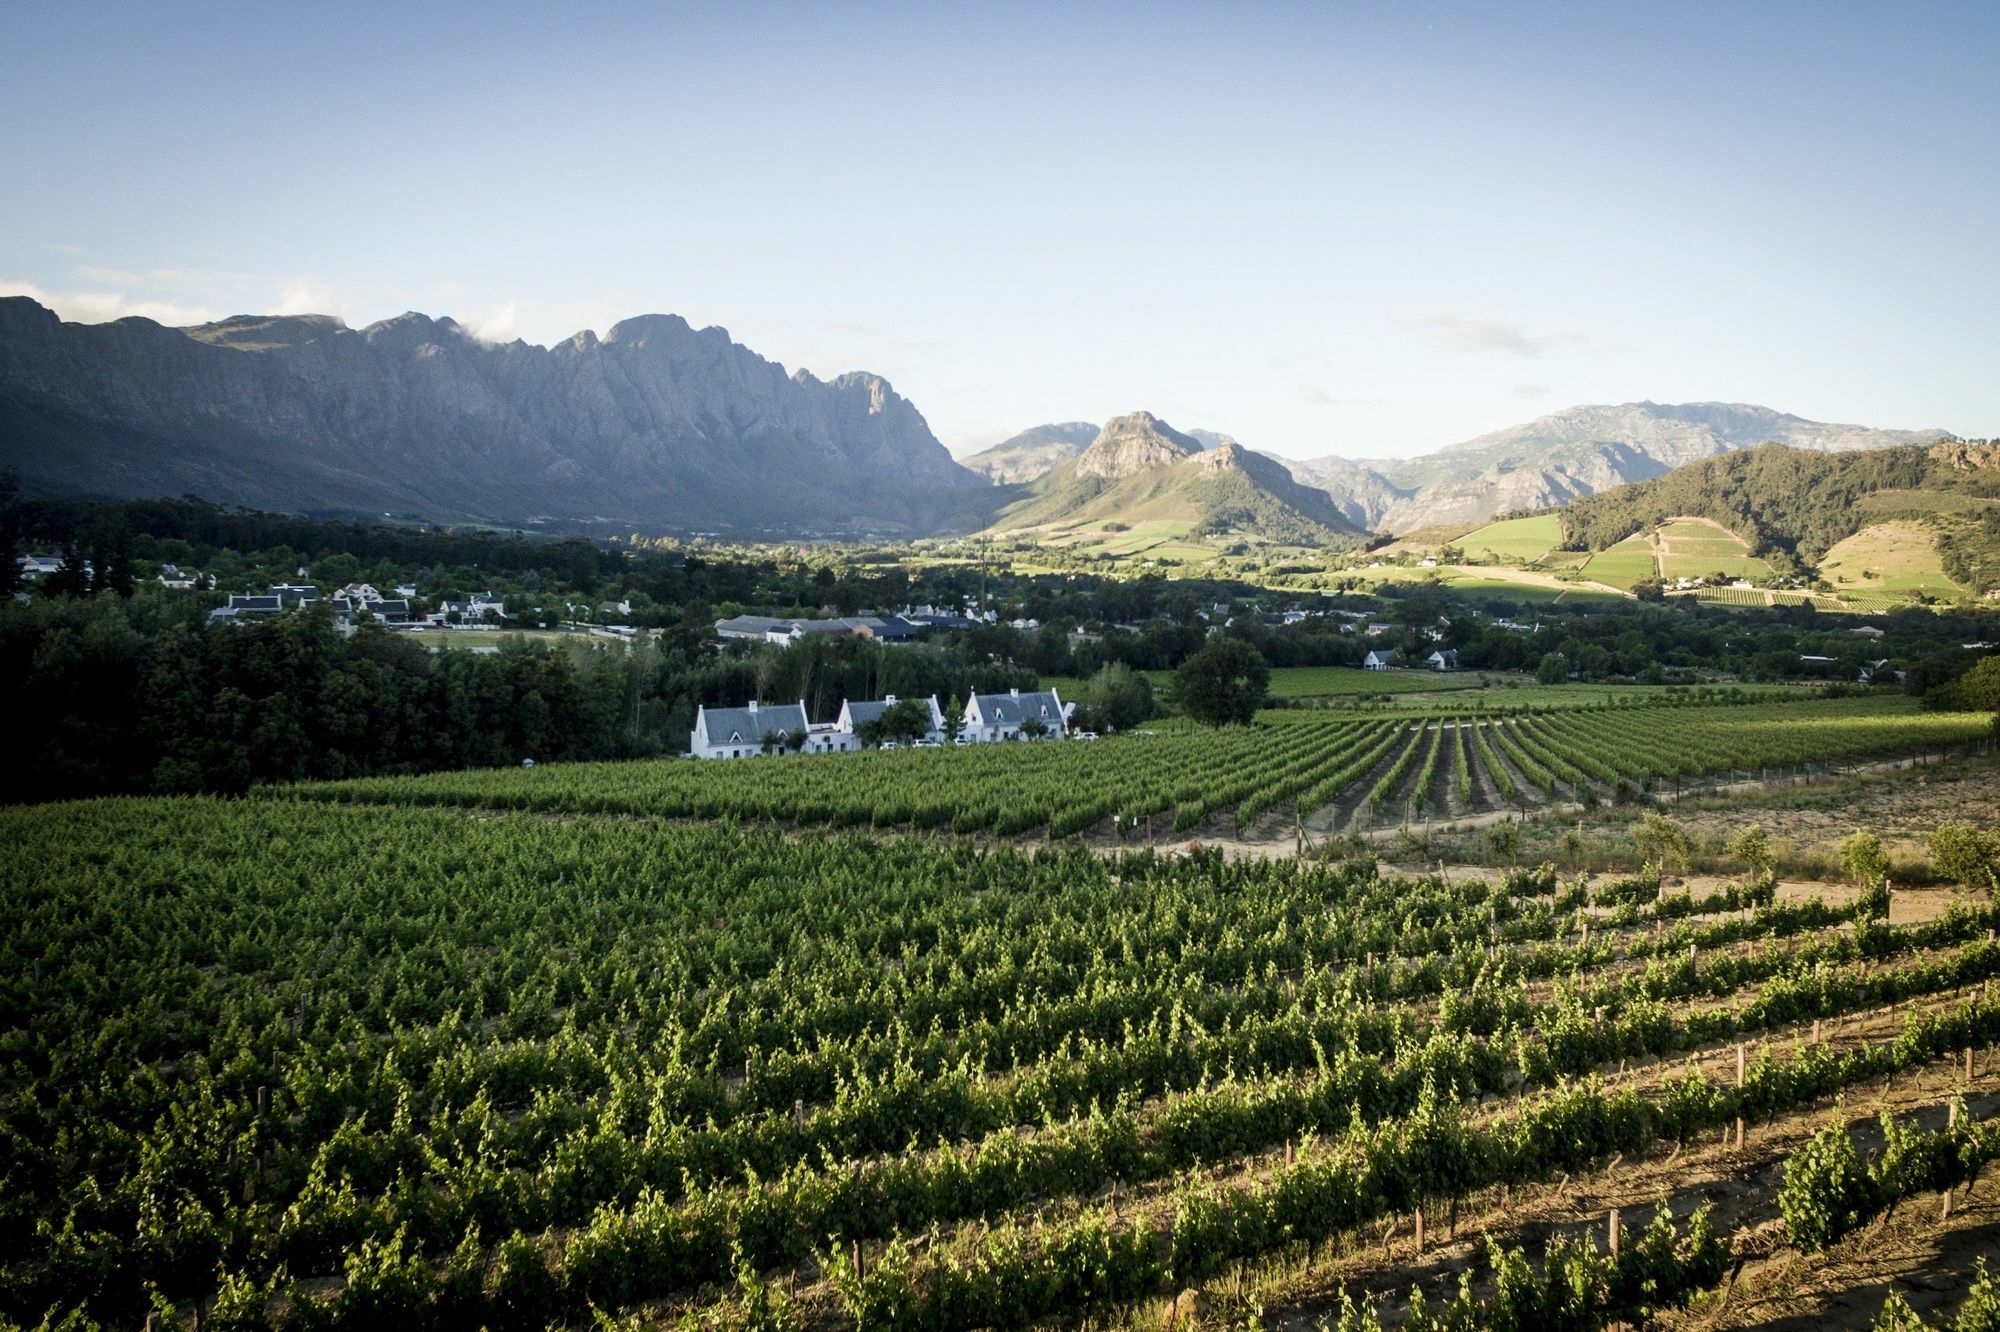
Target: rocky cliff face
(1128, 445)
(656, 426)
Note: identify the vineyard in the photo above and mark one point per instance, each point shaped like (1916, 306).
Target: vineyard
(1323, 770)
(291, 1063)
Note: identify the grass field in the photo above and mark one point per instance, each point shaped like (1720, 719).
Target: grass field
(1897, 558)
(1623, 564)
(1522, 540)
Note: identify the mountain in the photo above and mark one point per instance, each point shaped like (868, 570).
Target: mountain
(1564, 456)
(656, 426)
(1140, 469)
(1032, 454)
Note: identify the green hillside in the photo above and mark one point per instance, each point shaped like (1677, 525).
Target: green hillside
(1786, 510)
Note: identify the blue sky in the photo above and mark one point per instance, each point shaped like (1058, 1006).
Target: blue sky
(1366, 230)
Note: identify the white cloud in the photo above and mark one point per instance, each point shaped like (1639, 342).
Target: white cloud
(101, 307)
(503, 325)
(1488, 335)
(303, 296)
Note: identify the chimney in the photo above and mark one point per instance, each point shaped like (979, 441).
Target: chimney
(753, 707)
(888, 698)
(1014, 693)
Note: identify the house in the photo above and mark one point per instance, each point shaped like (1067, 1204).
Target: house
(1866, 631)
(481, 606)
(991, 718)
(246, 607)
(853, 714)
(360, 593)
(609, 611)
(1428, 562)
(389, 610)
(1874, 671)
(39, 566)
(784, 632)
(1377, 660)
(1444, 659)
(295, 594)
(722, 733)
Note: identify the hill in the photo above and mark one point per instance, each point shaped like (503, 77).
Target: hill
(1565, 456)
(1139, 470)
(656, 426)
(1032, 454)
(1794, 510)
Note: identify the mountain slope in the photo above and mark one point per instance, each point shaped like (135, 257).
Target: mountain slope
(655, 426)
(1567, 455)
(1793, 506)
(1140, 469)
(1032, 454)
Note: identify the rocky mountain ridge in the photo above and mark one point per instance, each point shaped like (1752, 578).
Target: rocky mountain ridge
(656, 426)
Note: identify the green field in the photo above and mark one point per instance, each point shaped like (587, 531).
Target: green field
(1623, 564)
(1318, 682)
(1518, 540)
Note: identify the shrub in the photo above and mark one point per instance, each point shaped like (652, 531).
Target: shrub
(1826, 1191)
(1862, 858)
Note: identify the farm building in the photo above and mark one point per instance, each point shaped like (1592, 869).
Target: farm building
(721, 733)
(990, 718)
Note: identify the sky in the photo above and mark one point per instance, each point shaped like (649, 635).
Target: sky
(1366, 230)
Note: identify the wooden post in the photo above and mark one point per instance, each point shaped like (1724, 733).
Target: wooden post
(263, 1102)
(858, 1272)
(1968, 1063)
(1739, 1133)
(1951, 1115)
(1739, 1065)
(746, 1069)
(1815, 1039)
(799, 1114)
(1614, 1234)
(1288, 1153)
(1420, 1231)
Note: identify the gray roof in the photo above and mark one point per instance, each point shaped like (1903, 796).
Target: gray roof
(723, 726)
(758, 625)
(872, 709)
(1013, 709)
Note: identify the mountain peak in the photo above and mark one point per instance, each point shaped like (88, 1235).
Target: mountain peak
(1133, 443)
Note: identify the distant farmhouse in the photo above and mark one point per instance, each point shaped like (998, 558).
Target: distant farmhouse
(783, 728)
(785, 632)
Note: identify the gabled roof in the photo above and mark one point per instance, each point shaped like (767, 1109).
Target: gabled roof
(1011, 709)
(742, 726)
(854, 712)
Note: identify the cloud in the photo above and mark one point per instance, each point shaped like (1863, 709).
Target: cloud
(503, 325)
(303, 296)
(101, 307)
(1312, 395)
(1532, 390)
(1488, 335)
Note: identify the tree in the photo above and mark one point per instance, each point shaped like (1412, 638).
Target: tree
(906, 719)
(1505, 839)
(1964, 854)
(1863, 859)
(954, 720)
(1034, 728)
(1117, 698)
(1662, 842)
(1554, 669)
(1222, 683)
(1752, 846)
(1649, 589)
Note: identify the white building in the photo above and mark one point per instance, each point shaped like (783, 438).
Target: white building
(1377, 660)
(990, 718)
(853, 714)
(1444, 659)
(722, 733)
